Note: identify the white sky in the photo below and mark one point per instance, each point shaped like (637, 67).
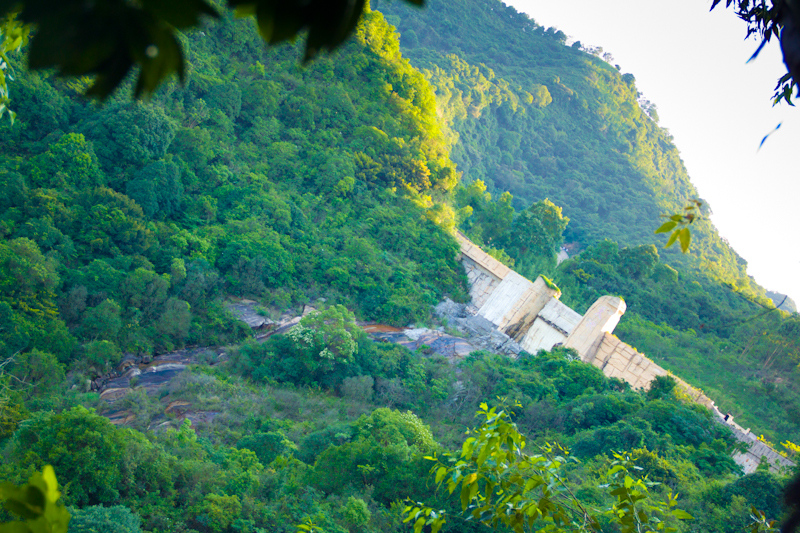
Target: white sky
(693, 65)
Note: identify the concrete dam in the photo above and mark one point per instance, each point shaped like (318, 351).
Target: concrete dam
(531, 314)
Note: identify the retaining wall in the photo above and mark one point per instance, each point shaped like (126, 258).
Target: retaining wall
(531, 314)
(482, 283)
(484, 272)
(620, 360)
(552, 326)
(750, 459)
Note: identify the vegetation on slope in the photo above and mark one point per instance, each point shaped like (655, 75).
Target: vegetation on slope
(541, 120)
(744, 355)
(276, 455)
(124, 228)
(533, 119)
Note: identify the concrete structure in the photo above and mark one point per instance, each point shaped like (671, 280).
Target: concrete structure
(601, 318)
(532, 317)
(756, 451)
(515, 303)
(484, 272)
(618, 360)
(552, 326)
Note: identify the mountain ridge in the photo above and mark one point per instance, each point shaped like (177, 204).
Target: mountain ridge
(593, 172)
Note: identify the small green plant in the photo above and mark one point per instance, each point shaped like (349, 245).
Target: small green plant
(307, 527)
(356, 513)
(633, 509)
(760, 524)
(37, 504)
(679, 224)
(500, 485)
(549, 282)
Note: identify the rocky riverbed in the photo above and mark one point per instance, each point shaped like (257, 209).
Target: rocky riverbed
(465, 333)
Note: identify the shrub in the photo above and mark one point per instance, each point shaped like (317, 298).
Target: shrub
(116, 519)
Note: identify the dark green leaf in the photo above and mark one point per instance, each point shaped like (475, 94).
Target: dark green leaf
(180, 13)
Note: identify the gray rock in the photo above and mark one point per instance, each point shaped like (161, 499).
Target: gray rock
(245, 311)
(450, 309)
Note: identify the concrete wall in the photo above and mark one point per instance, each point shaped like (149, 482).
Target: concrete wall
(481, 258)
(531, 314)
(619, 360)
(552, 326)
(601, 318)
(541, 336)
(750, 459)
(484, 272)
(561, 316)
(510, 295)
(696, 395)
(482, 283)
(516, 302)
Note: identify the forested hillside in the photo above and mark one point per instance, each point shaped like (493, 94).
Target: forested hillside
(126, 227)
(543, 120)
(540, 120)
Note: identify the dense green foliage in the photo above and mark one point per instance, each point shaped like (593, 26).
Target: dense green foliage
(744, 356)
(528, 240)
(276, 456)
(107, 42)
(125, 229)
(502, 485)
(543, 120)
(538, 119)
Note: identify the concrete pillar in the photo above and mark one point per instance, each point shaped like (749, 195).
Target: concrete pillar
(601, 318)
(518, 322)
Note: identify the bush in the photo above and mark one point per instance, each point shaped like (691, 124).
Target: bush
(94, 519)
(315, 443)
(620, 436)
(267, 446)
(358, 388)
(761, 489)
(84, 449)
(387, 425)
(355, 513)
